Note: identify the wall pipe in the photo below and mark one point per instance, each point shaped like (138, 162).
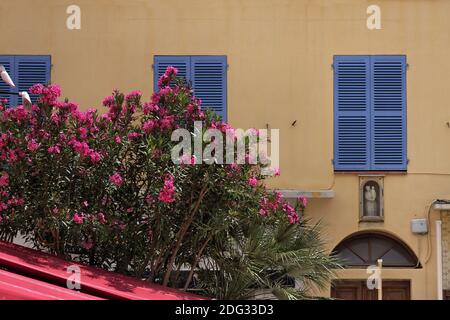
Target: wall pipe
(439, 259)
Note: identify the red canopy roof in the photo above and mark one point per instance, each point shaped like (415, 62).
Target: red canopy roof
(17, 287)
(32, 274)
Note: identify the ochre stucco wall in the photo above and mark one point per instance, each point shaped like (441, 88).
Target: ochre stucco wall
(280, 54)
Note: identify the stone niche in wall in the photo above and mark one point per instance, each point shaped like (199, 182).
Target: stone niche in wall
(371, 195)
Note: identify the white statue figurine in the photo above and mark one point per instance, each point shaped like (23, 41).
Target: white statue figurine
(370, 204)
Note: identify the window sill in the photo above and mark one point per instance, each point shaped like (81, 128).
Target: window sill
(295, 193)
(371, 219)
(373, 173)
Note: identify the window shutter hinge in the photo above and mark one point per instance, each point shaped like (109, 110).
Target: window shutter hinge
(407, 66)
(153, 67)
(332, 162)
(332, 66)
(228, 67)
(407, 161)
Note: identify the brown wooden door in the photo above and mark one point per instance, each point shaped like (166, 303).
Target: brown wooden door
(397, 290)
(446, 294)
(357, 290)
(346, 290)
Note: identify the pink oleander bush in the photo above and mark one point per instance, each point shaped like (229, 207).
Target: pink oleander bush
(102, 189)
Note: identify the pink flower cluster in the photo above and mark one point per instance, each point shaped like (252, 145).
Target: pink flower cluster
(4, 180)
(119, 112)
(233, 170)
(6, 200)
(69, 107)
(187, 159)
(150, 108)
(54, 149)
(224, 127)
(33, 145)
(78, 218)
(252, 181)
(10, 151)
(303, 201)
(18, 114)
(116, 179)
(87, 244)
(83, 149)
(165, 79)
(132, 101)
(167, 194)
(48, 94)
(292, 215)
(271, 204)
(134, 135)
(149, 125)
(133, 96)
(101, 218)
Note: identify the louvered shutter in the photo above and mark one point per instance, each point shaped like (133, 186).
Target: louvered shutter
(160, 64)
(32, 70)
(8, 63)
(352, 112)
(209, 80)
(388, 116)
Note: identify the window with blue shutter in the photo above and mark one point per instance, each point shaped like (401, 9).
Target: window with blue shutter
(352, 113)
(207, 74)
(370, 113)
(25, 71)
(388, 114)
(209, 79)
(182, 63)
(30, 71)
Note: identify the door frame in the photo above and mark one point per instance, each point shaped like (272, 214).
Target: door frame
(363, 292)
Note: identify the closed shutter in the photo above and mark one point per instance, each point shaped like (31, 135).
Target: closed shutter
(25, 71)
(182, 63)
(8, 63)
(352, 112)
(388, 116)
(209, 81)
(32, 70)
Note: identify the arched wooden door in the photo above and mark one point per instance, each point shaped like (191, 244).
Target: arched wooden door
(363, 249)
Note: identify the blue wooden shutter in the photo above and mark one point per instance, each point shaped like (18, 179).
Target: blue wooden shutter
(32, 70)
(209, 81)
(8, 63)
(160, 64)
(388, 115)
(351, 113)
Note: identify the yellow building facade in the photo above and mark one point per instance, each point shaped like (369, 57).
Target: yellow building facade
(280, 70)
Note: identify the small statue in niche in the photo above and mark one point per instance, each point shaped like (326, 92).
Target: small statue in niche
(370, 197)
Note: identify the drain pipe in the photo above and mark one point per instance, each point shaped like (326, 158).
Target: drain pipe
(439, 259)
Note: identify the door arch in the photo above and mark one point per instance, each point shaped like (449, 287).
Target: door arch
(362, 249)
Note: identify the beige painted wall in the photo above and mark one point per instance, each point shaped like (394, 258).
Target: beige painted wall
(280, 54)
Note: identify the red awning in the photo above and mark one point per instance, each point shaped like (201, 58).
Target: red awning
(32, 274)
(17, 287)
